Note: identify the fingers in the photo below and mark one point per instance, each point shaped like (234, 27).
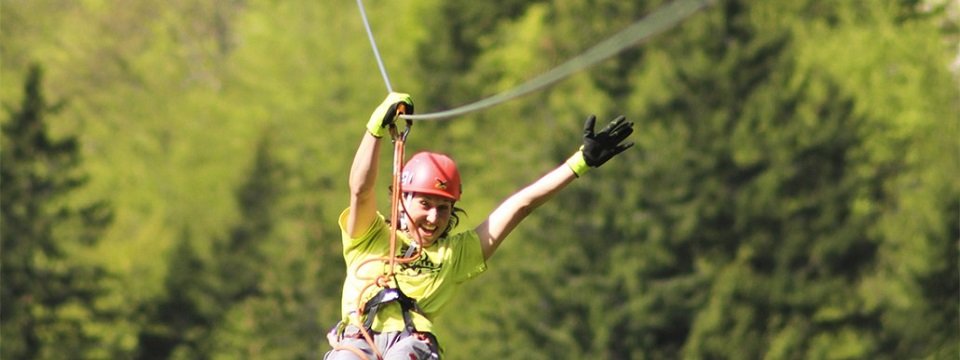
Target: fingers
(603, 145)
(400, 103)
(588, 126)
(619, 149)
(616, 131)
(612, 125)
(386, 113)
(395, 104)
(390, 115)
(622, 131)
(396, 97)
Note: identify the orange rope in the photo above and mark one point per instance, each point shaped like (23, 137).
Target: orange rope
(391, 260)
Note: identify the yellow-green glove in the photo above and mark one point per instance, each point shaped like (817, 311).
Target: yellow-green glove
(577, 164)
(386, 113)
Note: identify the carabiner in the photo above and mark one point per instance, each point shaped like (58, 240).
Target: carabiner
(394, 131)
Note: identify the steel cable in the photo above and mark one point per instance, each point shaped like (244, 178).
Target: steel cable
(373, 44)
(661, 20)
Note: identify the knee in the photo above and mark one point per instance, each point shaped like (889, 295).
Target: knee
(347, 352)
(412, 348)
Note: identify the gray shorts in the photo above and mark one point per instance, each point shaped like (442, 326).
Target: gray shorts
(392, 345)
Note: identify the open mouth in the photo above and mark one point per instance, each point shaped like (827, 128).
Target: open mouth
(427, 231)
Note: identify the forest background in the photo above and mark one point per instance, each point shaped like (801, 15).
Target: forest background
(173, 171)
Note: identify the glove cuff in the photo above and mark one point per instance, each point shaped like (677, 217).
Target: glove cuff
(375, 125)
(577, 163)
(375, 129)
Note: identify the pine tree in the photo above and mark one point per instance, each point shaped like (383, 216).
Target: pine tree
(240, 257)
(200, 292)
(176, 322)
(48, 297)
(453, 52)
(747, 225)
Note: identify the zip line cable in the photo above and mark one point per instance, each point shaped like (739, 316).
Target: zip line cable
(657, 22)
(664, 18)
(373, 44)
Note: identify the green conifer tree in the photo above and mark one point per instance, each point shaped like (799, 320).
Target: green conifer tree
(48, 298)
(201, 292)
(746, 226)
(175, 323)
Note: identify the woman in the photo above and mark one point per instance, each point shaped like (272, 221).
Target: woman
(393, 319)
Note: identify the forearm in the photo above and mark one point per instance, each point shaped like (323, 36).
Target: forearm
(363, 172)
(598, 147)
(363, 178)
(532, 196)
(518, 206)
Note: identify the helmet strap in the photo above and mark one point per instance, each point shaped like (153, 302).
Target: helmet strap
(404, 218)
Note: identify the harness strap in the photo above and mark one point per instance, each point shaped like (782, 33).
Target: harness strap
(387, 296)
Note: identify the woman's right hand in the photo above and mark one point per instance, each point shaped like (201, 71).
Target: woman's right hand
(386, 114)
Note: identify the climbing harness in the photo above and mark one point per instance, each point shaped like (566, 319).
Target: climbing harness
(387, 296)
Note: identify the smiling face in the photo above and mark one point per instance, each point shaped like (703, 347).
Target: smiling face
(430, 214)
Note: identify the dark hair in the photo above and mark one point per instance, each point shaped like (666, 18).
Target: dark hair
(454, 220)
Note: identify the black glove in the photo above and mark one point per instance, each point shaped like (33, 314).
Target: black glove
(600, 147)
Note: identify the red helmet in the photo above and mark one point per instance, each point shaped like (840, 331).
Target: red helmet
(431, 173)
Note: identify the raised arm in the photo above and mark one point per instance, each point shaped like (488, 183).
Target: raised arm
(363, 172)
(596, 150)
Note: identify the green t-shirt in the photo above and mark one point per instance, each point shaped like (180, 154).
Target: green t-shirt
(431, 280)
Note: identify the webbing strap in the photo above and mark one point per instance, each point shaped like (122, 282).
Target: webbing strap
(387, 296)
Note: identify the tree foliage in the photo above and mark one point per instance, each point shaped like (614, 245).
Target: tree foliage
(49, 297)
(792, 192)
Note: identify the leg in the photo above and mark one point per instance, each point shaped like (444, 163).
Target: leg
(352, 345)
(350, 349)
(413, 347)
